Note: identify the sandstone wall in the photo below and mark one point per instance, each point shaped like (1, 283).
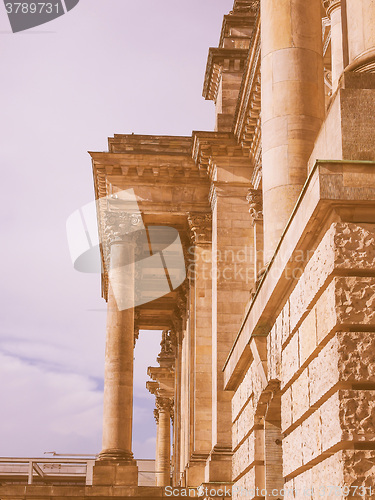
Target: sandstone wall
(322, 350)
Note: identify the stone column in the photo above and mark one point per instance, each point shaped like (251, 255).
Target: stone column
(157, 465)
(360, 17)
(163, 441)
(334, 12)
(115, 464)
(177, 415)
(293, 105)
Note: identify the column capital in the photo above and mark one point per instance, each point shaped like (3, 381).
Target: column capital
(156, 415)
(136, 327)
(201, 227)
(168, 347)
(168, 342)
(255, 199)
(119, 224)
(164, 404)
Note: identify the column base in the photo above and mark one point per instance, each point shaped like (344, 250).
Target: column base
(117, 456)
(115, 473)
(219, 465)
(195, 470)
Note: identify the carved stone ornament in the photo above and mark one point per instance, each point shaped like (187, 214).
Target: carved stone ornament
(164, 404)
(246, 6)
(255, 200)
(156, 415)
(168, 343)
(201, 227)
(119, 224)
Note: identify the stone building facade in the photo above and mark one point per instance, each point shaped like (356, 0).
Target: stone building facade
(267, 362)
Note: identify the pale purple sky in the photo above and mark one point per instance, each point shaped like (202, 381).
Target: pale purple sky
(108, 66)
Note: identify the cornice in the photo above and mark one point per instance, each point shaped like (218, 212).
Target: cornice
(246, 5)
(219, 60)
(248, 105)
(236, 20)
(209, 146)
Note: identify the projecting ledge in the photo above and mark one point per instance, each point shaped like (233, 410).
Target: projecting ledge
(334, 191)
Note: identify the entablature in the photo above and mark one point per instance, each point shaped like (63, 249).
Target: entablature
(221, 60)
(210, 147)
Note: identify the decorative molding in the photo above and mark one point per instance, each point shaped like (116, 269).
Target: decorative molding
(181, 303)
(137, 315)
(178, 328)
(212, 197)
(201, 227)
(156, 415)
(164, 404)
(331, 5)
(219, 60)
(243, 6)
(136, 335)
(168, 344)
(255, 199)
(119, 224)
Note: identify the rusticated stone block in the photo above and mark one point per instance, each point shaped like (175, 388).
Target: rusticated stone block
(289, 490)
(359, 470)
(329, 472)
(250, 481)
(237, 486)
(286, 409)
(289, 360)
(303, 485)
(307, 336)
(246, 486)
(235, 434)
(331, 425)
(285, 333)
(354, 245)
(344, 246)
(346, 471)
(240, 459)
(257, 381)
(348, 415)
(311, 437)
(245, 421)
(300, 396)
(356, 359)
(292, 451)
(357, 415)
(355, 299)
(274, 341)
(326, 318)
(348, 357)
(323, 371)
(242, 394)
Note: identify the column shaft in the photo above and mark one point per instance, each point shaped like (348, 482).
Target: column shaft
(118, 378)
(337, 53)
(163, 451)
(293, 105)
(361, 31)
